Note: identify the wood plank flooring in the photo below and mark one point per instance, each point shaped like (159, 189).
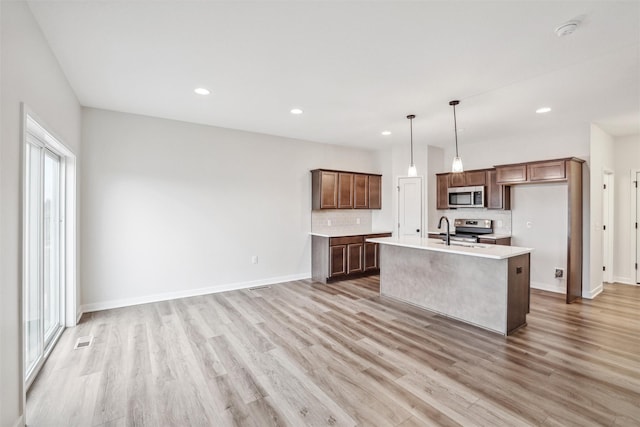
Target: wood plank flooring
(306, 354)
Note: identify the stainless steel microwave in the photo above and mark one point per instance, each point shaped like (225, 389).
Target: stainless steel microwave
(466, 197)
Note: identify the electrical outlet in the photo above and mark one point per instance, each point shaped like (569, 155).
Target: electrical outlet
(499, 223)
(559, 273)
(357, 220)
(329, 222)
(529, 224)
(254, 259)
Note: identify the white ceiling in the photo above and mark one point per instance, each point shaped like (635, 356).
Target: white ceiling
(356, 68)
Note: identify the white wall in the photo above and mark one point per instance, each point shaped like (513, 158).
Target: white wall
(601, 159)
(626, 153)
(539, 221)
(30, 74)
(172, 208)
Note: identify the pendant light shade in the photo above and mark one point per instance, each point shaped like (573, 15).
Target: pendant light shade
(456, 166)
(412, 171)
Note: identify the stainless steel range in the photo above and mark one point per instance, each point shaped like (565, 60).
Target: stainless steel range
(468, 230)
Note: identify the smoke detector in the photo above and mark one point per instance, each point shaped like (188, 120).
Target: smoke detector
(567, 28)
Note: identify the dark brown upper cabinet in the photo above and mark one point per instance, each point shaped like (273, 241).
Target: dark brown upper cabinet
(360, 191)
(467, 179)
(498, 195)
(324, 189)
(542, 171)
(345, 190)
(442, 186)
(375, 192)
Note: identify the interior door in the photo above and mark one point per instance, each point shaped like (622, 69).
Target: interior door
(410, 206)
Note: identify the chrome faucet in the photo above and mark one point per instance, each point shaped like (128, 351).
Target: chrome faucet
(448, 238)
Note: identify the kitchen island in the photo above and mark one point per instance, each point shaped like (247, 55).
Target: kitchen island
(484, 285)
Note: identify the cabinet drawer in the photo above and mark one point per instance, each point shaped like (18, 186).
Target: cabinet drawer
(347, 240)
(510, 174)
(547, 171)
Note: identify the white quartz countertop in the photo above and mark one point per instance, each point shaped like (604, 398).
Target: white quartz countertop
(482, 236)
(471, 249)
(343, 233)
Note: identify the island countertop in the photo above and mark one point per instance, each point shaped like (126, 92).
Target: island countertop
(462, 248)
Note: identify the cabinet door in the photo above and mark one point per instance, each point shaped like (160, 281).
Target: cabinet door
(361, 191)
(547, 171)
(337, 260)
(355, 257)
(375, 192)
(370, 256)
(498, 195)
(345, 190)
(457, 179)
(474, 178)
(511, 174)
(328, 190)
(442, 186)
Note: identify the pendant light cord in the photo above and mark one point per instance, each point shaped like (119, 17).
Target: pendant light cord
(455, 128)
(411, 117)
(411, 133)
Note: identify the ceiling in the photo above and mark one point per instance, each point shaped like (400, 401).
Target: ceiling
(356, 68)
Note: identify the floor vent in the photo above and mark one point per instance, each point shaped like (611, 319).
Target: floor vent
(83, 342)
(259, 288)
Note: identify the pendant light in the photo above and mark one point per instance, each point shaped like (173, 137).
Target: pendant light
(456, 166)
(412, 167)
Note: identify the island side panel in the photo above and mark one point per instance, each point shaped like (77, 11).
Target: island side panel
(519, 288)
(319, 258)
(468, 288)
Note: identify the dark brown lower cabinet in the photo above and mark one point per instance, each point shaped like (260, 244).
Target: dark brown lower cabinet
(337, 260)
(355, 258)
(344, 257)
(370, 256)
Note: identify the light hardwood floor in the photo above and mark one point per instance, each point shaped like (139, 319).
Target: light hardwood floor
(306, 354)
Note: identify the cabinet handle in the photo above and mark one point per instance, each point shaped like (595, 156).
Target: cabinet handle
(417, 230)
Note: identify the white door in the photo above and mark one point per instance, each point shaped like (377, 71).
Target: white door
(607, 227)
(409, 206)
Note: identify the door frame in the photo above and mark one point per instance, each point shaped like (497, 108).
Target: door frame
(68, 236)
(635, 218)
(608, 212)
(422, 197)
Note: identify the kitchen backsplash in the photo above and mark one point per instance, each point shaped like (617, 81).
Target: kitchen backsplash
(355, 220)
(501, 219)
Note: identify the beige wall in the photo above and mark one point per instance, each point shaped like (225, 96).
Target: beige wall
(30, 74)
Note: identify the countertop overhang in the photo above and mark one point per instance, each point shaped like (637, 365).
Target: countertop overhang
(460, 248)
(344, 233)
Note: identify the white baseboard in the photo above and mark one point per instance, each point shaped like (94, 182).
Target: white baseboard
(19, 422)
(624, 280)
(79, 316)
(559, 288)
(105, 305)
(593, 293)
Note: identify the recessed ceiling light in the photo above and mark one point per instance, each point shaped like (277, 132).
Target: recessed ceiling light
(386, 132)
(202, 91)
(296, 111)
(543, 110)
